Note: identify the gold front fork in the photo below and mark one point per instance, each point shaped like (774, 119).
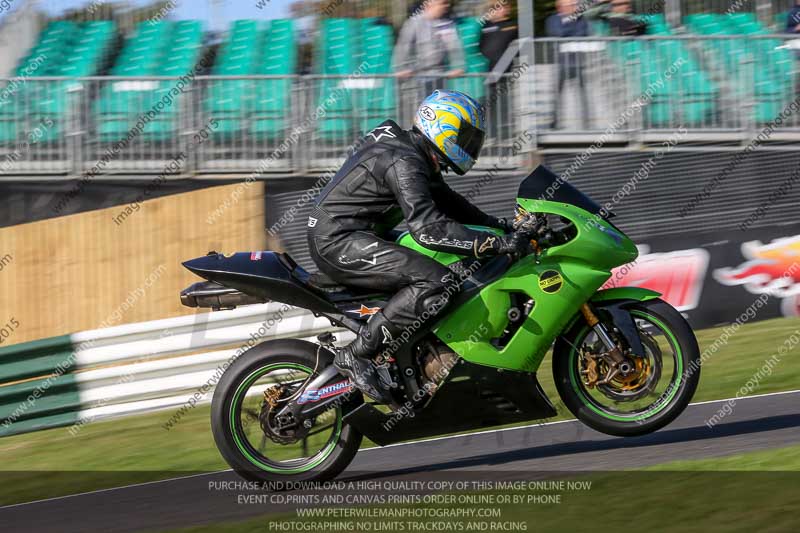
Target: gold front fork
(589, 315)
(612, 350)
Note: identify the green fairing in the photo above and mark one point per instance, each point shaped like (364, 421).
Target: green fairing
(584, 263)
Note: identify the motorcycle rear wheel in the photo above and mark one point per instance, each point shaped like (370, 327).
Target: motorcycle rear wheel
(236, 423)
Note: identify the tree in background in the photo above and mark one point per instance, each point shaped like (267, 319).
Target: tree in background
(126, 17)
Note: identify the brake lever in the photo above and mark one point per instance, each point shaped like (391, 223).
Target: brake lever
(530, 225)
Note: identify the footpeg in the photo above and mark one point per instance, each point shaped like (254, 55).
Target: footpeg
(385, 377)
(326, 339)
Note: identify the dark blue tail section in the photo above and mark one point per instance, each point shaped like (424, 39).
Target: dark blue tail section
(265, 276)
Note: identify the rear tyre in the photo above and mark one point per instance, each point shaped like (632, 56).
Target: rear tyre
(666, 379)
(237, 424)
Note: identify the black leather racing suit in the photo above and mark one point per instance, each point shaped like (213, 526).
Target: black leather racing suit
(389, 178)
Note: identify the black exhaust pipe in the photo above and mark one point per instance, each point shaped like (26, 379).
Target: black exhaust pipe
(208, 294)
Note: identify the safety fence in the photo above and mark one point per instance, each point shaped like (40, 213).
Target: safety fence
(714, 85)
(718, 87)
(136, 368)
(262, 124)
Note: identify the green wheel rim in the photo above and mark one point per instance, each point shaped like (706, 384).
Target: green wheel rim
(650, 411)
(244, 447)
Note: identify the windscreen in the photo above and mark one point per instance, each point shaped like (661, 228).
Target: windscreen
(544, 184)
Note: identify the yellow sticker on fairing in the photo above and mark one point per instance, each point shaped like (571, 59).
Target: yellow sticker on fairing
(550, 281)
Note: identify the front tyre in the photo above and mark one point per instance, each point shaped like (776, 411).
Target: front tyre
(661, 387)
(242, 427)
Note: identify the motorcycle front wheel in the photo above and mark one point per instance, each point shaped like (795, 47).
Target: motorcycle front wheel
(662, 384)
(248, 436)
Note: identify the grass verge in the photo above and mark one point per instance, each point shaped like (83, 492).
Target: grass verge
(141, 448)
(745, 492)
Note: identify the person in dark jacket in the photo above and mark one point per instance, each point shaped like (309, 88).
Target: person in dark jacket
(395, 175)
(793, 19)
(499, 31)
(568, 22)
(497, 34)
(622, 21)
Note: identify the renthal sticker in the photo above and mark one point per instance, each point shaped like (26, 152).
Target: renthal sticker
(365, 311)
(444, 241)
(487, 244)
(315, 395)
(550, 281)
(427, 113)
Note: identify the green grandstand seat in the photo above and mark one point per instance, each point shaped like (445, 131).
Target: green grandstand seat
(687, 98)
(9, 118)
(377, 102)
(469, 31)
(64, 49)
(780, 21)
(742, 18)
(262, 105)
(772, 81)
(337, 56)
(597, 27)
(227, 101)
(272, 100)
(161, 48)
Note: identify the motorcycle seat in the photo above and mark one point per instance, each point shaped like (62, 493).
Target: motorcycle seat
(328, 287)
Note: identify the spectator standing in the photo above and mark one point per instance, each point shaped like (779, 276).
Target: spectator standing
(567, 22)
(619, 17)
(497, 34)
(793, 19)
(428, 45)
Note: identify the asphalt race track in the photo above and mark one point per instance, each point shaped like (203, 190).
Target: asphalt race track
(759, 422)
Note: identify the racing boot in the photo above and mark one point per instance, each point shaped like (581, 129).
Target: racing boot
(355, 359)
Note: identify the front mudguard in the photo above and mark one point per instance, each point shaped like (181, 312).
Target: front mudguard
(624, 293)
(614, 302)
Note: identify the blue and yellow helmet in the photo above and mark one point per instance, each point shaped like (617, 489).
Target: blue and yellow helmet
(454, 123)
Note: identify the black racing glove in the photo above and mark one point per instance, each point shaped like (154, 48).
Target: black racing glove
(501, 223)
(516, 244)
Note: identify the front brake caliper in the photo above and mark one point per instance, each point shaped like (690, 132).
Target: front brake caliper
(590, 372)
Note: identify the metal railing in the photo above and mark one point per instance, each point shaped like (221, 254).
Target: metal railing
(717, 87)
(707, 84)
(106, 125)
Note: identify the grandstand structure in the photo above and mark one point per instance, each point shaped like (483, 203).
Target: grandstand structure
(77, 97)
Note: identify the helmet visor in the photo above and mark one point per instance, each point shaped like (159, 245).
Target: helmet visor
(470, 139)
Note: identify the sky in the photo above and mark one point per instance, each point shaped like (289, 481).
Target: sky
(228, 10)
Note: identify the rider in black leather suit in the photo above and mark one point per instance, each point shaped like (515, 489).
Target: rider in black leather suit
(395, 175)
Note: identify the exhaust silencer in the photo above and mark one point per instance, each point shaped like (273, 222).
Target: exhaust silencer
(208, 294)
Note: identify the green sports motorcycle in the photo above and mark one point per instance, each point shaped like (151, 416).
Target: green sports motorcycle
(624, 361)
